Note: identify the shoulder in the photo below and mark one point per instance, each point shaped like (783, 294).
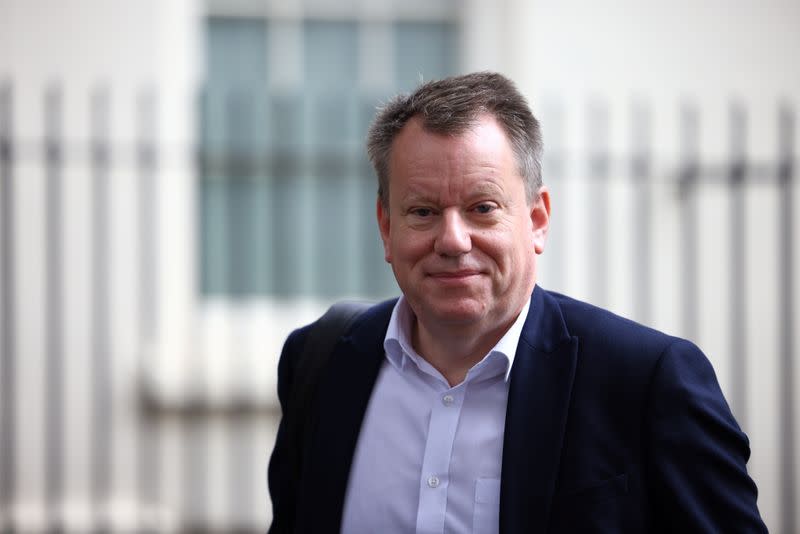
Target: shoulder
(370, 318)
(604, 330)
(643, 366)
(294, 359)
(613, 346)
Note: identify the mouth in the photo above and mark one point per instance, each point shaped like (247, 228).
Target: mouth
(454, 276)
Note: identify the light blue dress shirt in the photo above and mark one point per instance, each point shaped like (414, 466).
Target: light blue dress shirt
(429, 456)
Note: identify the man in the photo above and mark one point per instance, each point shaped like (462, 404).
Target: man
(479, 402)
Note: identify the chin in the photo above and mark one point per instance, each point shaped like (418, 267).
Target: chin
(457, 312)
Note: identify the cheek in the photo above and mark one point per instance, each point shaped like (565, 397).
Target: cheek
(496, 245)
(410, 247)
(509, 253)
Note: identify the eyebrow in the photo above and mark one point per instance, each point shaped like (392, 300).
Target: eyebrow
(485, 188)
(419, 194)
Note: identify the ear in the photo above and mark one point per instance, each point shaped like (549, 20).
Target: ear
(540, 219)
(384, 222)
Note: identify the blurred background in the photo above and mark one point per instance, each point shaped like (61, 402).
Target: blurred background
(182, 182)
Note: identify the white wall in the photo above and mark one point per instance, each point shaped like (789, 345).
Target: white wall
(82, 47)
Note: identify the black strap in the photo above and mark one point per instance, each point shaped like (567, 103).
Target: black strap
(316, 353)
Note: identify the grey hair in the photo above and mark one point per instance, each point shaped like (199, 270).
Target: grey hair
(452, 106)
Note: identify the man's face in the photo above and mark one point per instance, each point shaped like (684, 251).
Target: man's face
(459, 232)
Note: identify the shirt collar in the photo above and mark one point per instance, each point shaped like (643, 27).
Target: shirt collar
(399, 349)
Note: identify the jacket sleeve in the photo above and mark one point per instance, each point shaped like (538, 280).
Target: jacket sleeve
(697, 453)
(282, 487)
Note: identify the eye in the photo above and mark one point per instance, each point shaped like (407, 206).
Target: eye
(485, 208)
(421, 212)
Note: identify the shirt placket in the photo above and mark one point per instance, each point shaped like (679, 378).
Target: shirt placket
(434, 478)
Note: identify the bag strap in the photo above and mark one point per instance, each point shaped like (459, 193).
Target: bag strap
(315, 355)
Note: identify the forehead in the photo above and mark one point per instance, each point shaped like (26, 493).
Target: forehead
(482, 148)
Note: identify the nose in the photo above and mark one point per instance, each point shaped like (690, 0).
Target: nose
(453, 238)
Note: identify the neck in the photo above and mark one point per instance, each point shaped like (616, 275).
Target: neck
(453, 351)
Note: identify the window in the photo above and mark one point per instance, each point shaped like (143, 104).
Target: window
(287, 194)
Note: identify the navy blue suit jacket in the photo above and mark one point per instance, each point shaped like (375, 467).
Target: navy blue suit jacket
(610, 427)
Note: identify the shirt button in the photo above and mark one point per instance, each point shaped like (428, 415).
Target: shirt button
(447, 400)
(433, 481)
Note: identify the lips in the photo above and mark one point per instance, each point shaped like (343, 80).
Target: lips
(454, 276)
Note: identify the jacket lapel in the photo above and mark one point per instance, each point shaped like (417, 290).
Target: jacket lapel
(538, 401)
(341, 402)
